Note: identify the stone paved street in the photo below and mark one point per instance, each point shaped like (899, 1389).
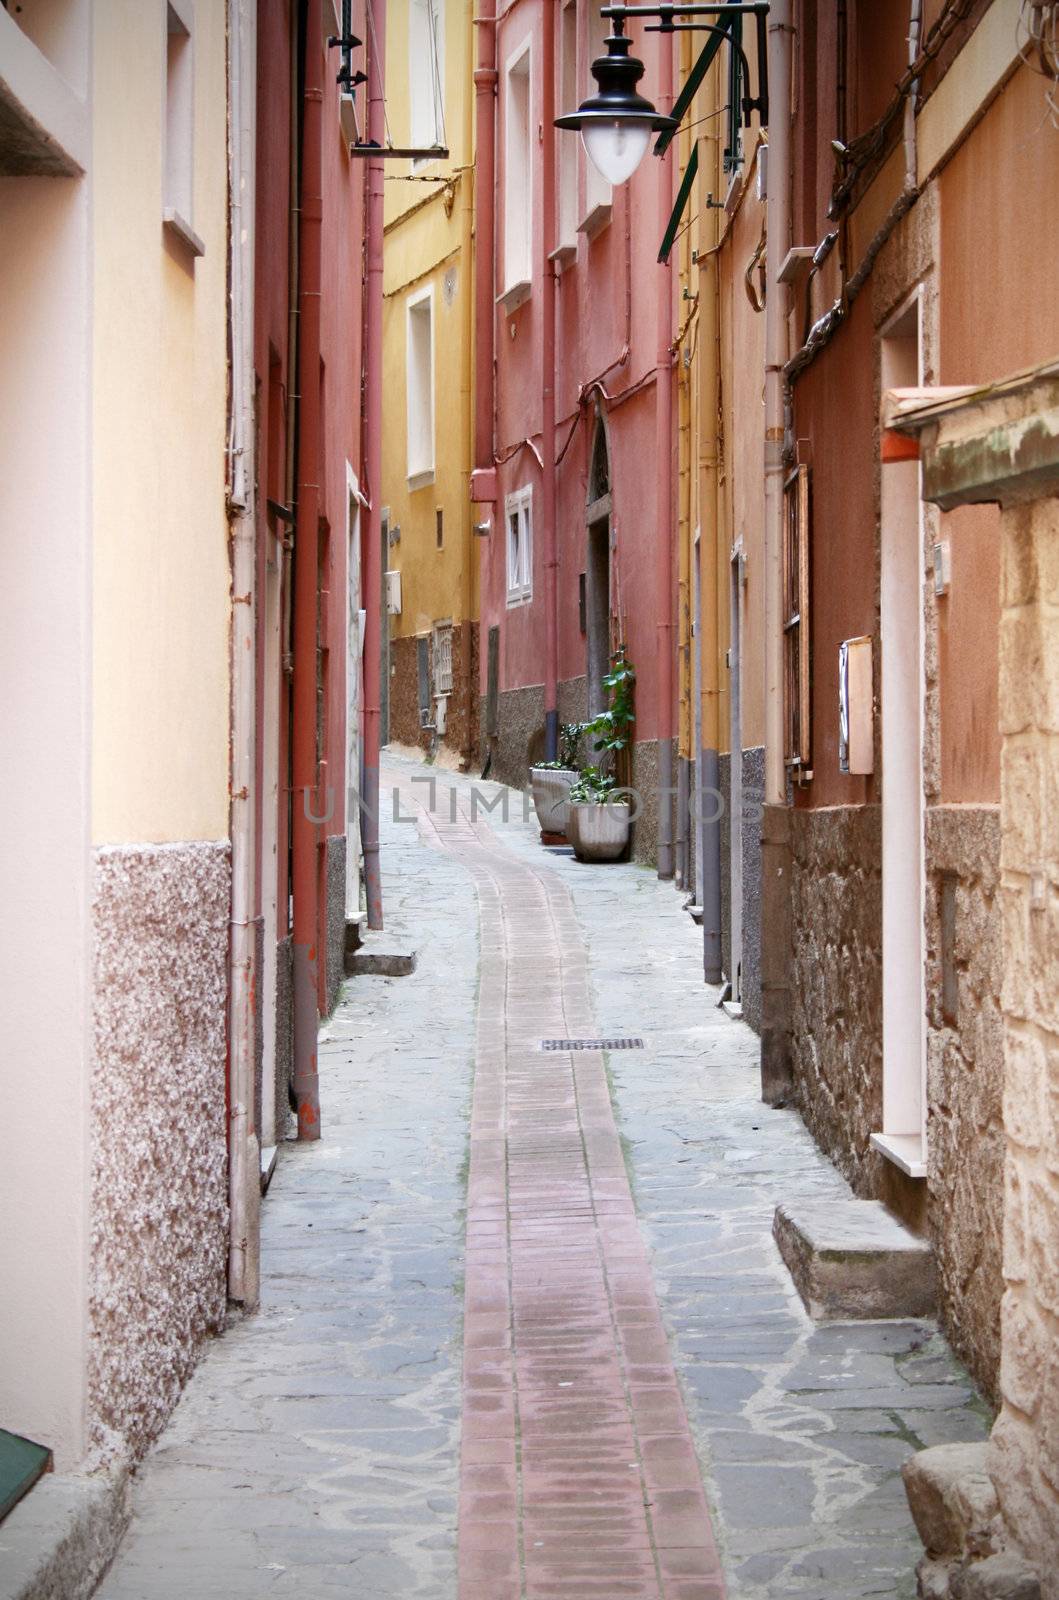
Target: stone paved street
(614, 1365)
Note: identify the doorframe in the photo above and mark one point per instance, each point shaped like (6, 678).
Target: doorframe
(902, 1138)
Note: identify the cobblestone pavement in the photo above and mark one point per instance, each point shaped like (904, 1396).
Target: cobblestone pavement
(316, 1448)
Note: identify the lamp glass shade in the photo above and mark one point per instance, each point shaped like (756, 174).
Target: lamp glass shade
(616, 148)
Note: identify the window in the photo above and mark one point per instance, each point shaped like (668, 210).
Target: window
(439, 528)
(420, 379)
(597, 189)
(179, 133)
(796, 622)
(519, 509)
(518, 198)
(566, 147)
(443, 658)
(426, 72)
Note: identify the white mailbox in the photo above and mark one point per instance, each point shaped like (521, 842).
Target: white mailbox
(856, 707)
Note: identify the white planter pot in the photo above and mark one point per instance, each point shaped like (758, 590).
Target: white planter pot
(598, 832)
(551, 786)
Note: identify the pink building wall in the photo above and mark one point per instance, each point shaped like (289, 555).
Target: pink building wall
(607, 341)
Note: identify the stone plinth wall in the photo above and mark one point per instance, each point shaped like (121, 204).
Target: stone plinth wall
(965, 1075)
(461, 713)
(836, 983)
(159, 1199)
(1025, 1448)
(335, 915)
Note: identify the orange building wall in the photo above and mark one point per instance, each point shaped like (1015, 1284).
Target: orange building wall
(999, 312)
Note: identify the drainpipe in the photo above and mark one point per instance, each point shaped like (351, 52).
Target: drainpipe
(483, 478)
(373, 597)
(775, 844)
(244, 1172)
(306, 559)
(710, 535)
(547, 245)
(468, 554)
(664, 494)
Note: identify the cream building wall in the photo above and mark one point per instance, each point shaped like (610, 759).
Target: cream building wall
(45, 729)
(160, 687)
(161, 620)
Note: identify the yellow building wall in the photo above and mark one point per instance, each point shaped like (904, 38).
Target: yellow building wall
(428, 242)
(161, 575)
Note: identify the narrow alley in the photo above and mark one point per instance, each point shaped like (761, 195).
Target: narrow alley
(529, 623)
(645, 1405)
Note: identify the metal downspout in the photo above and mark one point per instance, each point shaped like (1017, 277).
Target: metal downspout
(306, 561)
(709, 811)
(373, 596)
(547, 245)
(244, 1182)
(775, 845)
(664, 575)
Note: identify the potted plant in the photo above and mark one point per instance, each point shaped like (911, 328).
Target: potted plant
(598, 818)
(551, 782)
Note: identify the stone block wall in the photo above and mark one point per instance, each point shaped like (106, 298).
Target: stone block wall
(965, 1075)
(836, 983)
(461, 735)
(1025, 1444)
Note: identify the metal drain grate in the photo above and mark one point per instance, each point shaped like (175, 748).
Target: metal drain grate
(591, 1044)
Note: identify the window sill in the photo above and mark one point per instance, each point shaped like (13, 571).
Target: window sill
(175, 225)
(564, 257)
(596, 220)
(518, 599)
(514, 297)
(905, 1150)
(420, 480)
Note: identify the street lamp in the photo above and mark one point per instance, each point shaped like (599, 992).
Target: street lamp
(616, 123)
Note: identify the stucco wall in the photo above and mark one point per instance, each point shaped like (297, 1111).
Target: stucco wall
(159, 1171)
(160, 692)
(965, 1075)
(1026, 1437)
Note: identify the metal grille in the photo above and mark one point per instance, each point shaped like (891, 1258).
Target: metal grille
(591, 1044)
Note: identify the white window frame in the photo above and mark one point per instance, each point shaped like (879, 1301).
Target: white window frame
(178, 139)
(566, 148)
(441, 658)
(599, 195)
(518, 195)
(421, 468)
(426, 98)
(519, 560)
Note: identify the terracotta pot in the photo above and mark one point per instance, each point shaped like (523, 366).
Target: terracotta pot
(551, 785)
(598, 832)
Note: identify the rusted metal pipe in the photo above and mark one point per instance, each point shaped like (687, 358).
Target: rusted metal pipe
(306, 562)
(373, 597)
(244, 1189)
(547, 245)
(664, 491)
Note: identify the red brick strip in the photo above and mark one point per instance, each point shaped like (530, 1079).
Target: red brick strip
(579, 1479)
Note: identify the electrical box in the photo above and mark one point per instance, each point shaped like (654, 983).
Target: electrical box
(856, 707)
(393, 593)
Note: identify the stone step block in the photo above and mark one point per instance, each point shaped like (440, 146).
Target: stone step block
(851, 1260)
